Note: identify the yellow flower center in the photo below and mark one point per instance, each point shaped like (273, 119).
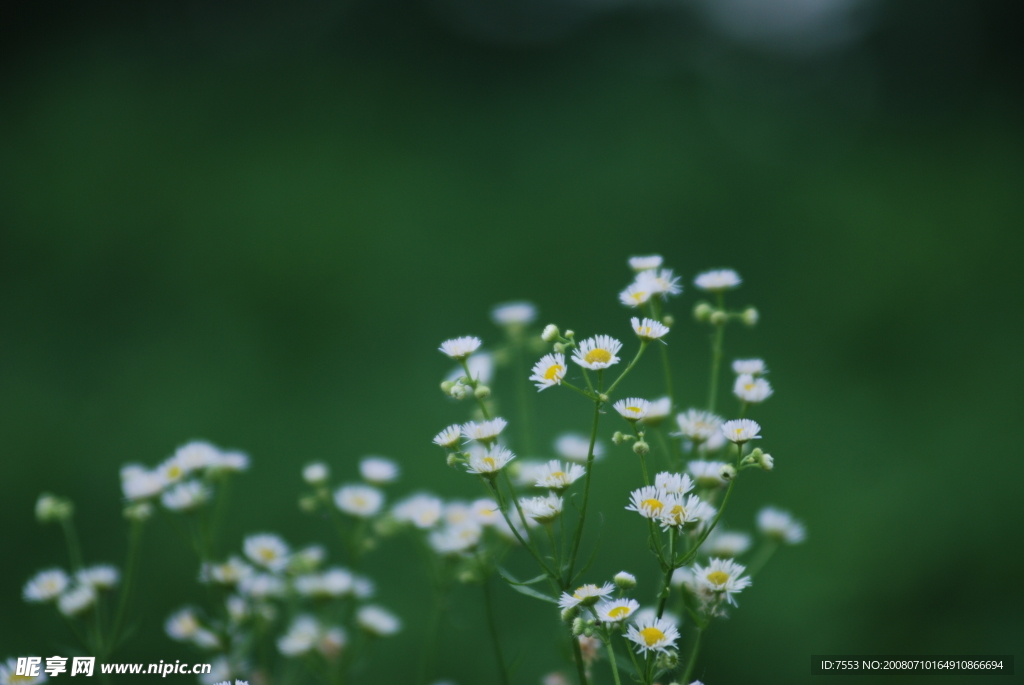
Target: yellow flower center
(558, 474)
(678, 511)
(598, 355)
(20, 679)
(267, 554)
(489, 461)
(644, 331)
(652, 636)
(359, 501)
(583, 591)
(653, 504)
(552, 372)
(635, 410)
(619, 612)
(749, 386)
(639, 296)
(718, 577)
(174, 472)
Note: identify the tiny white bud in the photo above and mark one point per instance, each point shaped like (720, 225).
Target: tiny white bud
(641, 447)
(727, 472)
(718, 318)
(578, 626)
(550, 332)
(668, 320)
(559, 347)
(482, 392)
(316, 473)
(625, 581)
(751, 316)
(702, 312)
(767, 462)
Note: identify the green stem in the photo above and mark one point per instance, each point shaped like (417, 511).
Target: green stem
(523, 384)
(716, 359)
(473, 383)
(611, 660)
(763, 555)
(577, 653)
(693, 656)
(666, 588)
(625, 372)
(578, 535)
(71, 537)
(589, 396)
(493, 628)
(689, 556)
(495, 492)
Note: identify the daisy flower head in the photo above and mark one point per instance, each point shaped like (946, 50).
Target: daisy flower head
(378, 470)
(138, 483)
(660, 282)
(455, 539)
(231, 572)
(648, 329)
(723, 577)
(636, 294)
(657, 410)
(316, 473)
(653, 634)
(718, 280)
(597, 353)
(186, 496)
(644, 263)
(727, 544)
(422, 511)
(549, 370)
(707, 474)
(77, 600)
(751, 389)
(46, 586)
(485, 431)
(673, 483)
(361, 501)
(9, 674)
(585, 595)
(449, 437)
(576, 447)
(182, 625)
(514, 314)
(100, 577)
(555, 476)
(196, 455)
(617, 610)
(740, 431)
(755, 367)
(301, 636)
(648, 501)
(490, 462)
(698, 425)
(378, 621)
(460, 348)
(679, 512)
(267, 550)
(485, 512)
(632, 408)
(543, 510)
(457, 514)
(780, 525)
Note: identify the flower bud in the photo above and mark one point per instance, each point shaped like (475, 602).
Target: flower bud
(139, 511)
(51, 508)
(458, 391)
(750, 316)
(767, 462)
(568, 614)
(668, 320)
(718, 317)
(446, 387)
(578, 626)
(482, 392)
(570, 333)
(559, 347)
(727, 472)
(603, 397)
(641, 447)
(668, 659)
(308, 503)
(618, 437)
(702, 312)
(550, 333)
(316, 473)
(453, 459)
(625, 581)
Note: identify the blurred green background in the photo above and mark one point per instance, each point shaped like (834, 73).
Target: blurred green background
(254, 224)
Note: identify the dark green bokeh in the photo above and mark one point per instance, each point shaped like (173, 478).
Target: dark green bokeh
(263, 247)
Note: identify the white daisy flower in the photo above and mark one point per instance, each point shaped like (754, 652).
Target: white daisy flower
(100, 577)
(422, 511)
(333, 582)
(316, 473)
(460, 348)
(195, 456)
(660, 282)
(679, 512)
(186, 496)
(707, 474)
(378, 470)
(543, 510)
(585, 595)
(490, 462)
(378, 621)
(455, 539)
(182, 625)
(261, 586)
(9, 670)
(231, 462)
(481, 368)
(485, 431)
(597, 352)
(171, 471)
(308, 558)
(457, 514)
(485, 512)
(632, 408)
(554, 476)
(525, 472)
(718, 280)
(364, 587)
(755, 367)
(657, 410)
(683, 577)
(267, 550)
(780, 525)
(332, 641)
(698, 425)
(361, 501)
(648, 501)
(230, 572)
(514, 314)
(673, 483)
(722, 576)
(46, 586)
(740, 431)
(637, 293)
(301, 636)
(648, 329)
(726, 544)
(138, 482)
(449, 437)
(574, 447)
(77, 600)
(653, 634)
(617, 610)
(644, 263)
(549, 370)
(750, 389)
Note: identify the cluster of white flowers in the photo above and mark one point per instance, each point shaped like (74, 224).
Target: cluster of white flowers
(185, 480)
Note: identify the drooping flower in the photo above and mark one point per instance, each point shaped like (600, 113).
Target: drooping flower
(542, 509)
(549, 370)
(485, 431)
(648, 329)
(449, 437)
(585, 595)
